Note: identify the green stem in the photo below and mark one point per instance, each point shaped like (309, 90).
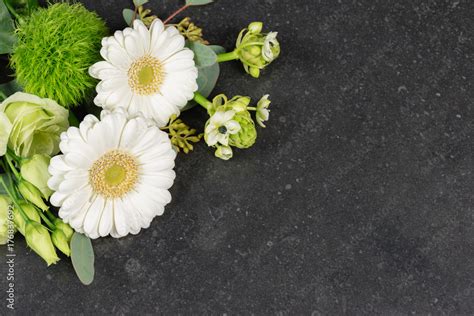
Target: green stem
(8, 158)
(202, 101)
(51, 216)
(251, 108)
(14, 200)
(46, 220)
(13, 12)
(14, 156)
(227, 56)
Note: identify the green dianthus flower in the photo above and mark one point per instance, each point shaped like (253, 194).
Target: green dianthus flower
(55, 48)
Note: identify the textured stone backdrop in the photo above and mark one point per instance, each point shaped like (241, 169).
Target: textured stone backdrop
(356, 199)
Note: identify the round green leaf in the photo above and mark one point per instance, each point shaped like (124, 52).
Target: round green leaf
(128, 16)
(204, 56)
(82, 257)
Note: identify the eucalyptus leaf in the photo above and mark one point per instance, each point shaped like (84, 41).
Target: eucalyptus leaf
(8, 89)
(7, 30)
(217, 49)
(208, 68)
(198, 2)
(138, 3)
(82, 257)
(128, 16)
(204, 56)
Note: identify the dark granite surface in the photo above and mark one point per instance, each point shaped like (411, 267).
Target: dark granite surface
(356, 199)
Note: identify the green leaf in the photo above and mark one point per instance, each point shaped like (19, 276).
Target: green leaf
(217, 49)
(82, 257)
(7, 30)
(198, 2)
(204, 56)
(208, 68)
(8, 89)
(128, 16)
(138, 3)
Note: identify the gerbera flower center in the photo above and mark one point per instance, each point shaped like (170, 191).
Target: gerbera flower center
(146, 75)
(114, 174)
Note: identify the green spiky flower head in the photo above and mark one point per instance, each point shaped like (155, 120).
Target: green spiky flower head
(55, 48)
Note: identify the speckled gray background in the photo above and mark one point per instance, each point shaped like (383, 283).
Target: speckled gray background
(357, 198)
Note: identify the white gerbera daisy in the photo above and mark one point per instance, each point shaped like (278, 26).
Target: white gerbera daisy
(220, 126)
(113, 176)
(146, 70)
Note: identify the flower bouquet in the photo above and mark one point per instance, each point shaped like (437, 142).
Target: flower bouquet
(65, 180)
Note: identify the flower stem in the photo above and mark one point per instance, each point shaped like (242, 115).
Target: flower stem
(176, 13)
(46, 220)
(227, 56)
(12, 154)
(13, 12)
(8, 158)
(51, 215)
(202, 101)
(14, 200)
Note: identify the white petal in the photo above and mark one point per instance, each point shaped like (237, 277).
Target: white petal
(91, 220)
(107, 219)
(119, 220)
(232, 127)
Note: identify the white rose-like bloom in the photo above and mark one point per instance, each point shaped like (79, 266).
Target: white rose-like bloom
(146, 71)
(5, 130)
(113, 176)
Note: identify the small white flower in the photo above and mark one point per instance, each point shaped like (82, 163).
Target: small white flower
(220, 126)
(224, 152)
(263, 113)
(268, 46)
(147, 71)
(113, 176)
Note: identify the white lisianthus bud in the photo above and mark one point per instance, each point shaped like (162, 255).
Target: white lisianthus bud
(38, 239)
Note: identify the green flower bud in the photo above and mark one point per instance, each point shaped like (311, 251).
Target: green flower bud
(32, 194)
(255, 27)
(5, 229)
(29, 211)
(224, 152)
(5, 130)
(61, 242)
(36, 124)
(238, 104)
(38, 239)
(35, 171)
(247, 134)
(65, 228)
(256, 50)
(254, 72)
